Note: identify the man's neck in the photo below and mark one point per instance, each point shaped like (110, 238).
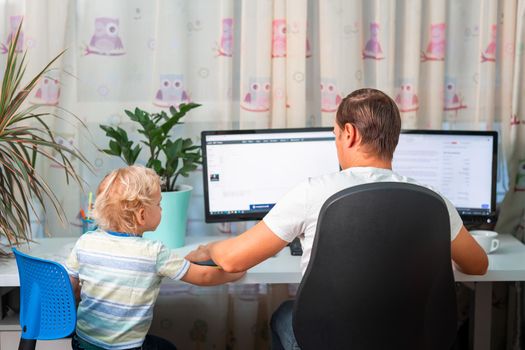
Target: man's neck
(372, 162)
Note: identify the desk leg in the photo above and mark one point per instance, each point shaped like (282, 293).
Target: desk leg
(482, 315)
(3, 290)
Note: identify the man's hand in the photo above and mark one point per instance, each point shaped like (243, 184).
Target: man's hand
(244, 251)
(200, 254)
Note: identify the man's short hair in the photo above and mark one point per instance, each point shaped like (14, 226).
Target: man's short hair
(121, 194)
(376, 117)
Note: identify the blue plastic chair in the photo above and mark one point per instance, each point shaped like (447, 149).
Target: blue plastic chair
(47, 303)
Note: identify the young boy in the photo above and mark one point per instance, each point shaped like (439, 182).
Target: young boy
(116, 274)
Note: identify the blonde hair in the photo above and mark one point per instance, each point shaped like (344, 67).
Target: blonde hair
(121, 194)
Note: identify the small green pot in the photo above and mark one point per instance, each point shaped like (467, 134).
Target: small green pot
(172, 228)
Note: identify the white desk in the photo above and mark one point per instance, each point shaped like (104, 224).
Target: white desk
(283, 268)
(506, 264)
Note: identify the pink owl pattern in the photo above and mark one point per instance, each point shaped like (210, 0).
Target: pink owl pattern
(279, 38)
(514, 120)
(47, 92)
(489, 55)
(437, 43)
(14, 23)
(330, 97)
(308, 48)
(106, 39)
(257, 99)
(453, 101)
(407, 99)
(373, 48)
(171, 91)
(67, 140)
(225, 48)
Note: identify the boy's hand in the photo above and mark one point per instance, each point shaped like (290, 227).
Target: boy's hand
(75, 283)
(199, 254)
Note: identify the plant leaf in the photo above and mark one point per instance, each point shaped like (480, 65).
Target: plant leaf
(24, 136)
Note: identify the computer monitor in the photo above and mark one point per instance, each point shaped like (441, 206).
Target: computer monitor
(246, 172)
(461, 165)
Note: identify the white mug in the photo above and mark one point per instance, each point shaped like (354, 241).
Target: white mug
(486, 239)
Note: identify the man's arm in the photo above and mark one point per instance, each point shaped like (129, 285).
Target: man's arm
(242, 252)
(468, 256)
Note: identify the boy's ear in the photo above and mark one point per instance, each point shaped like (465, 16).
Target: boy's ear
(140, 216)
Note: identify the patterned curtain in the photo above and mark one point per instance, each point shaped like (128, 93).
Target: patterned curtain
(272, 63)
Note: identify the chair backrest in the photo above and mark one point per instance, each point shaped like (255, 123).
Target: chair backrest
(47, 302)
(380, 274)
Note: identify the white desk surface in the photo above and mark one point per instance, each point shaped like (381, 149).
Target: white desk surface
(506, 264)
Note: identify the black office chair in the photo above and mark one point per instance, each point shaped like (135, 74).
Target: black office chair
(380, 274)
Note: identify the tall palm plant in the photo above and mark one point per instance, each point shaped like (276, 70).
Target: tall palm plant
(25, 135)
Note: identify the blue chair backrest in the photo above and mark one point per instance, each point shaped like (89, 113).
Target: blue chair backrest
(47, 302)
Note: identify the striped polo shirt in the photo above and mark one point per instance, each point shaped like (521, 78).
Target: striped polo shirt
(120, 278)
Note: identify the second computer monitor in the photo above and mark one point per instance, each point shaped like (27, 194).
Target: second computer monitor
(461, 165)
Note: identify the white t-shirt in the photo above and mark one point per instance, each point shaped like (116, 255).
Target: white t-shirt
(297, 212)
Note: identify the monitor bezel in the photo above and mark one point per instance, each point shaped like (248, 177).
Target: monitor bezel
(209, 218)
(472, 217)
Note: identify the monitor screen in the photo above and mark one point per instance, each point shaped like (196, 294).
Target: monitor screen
(246, 172)
(461, 165)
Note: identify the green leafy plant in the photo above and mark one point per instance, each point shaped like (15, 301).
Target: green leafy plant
(169, 158)
(25, 135)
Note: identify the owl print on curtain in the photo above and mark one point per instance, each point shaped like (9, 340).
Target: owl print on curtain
(66, 140)
(308, 48)
(489, 54)
(279, 38)
(257, 99)
(406, 98)
(514, 120)
(372, 48)
(171, 91)
(106, 39)
(453, 99)
(225, 46)
(330, 97)
(435, 50)
(47, 92)
(14, 23)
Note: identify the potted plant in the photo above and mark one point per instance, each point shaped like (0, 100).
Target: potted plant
(169, 158)
(25, 134)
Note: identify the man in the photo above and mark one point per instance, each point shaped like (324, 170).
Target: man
(367, 128)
